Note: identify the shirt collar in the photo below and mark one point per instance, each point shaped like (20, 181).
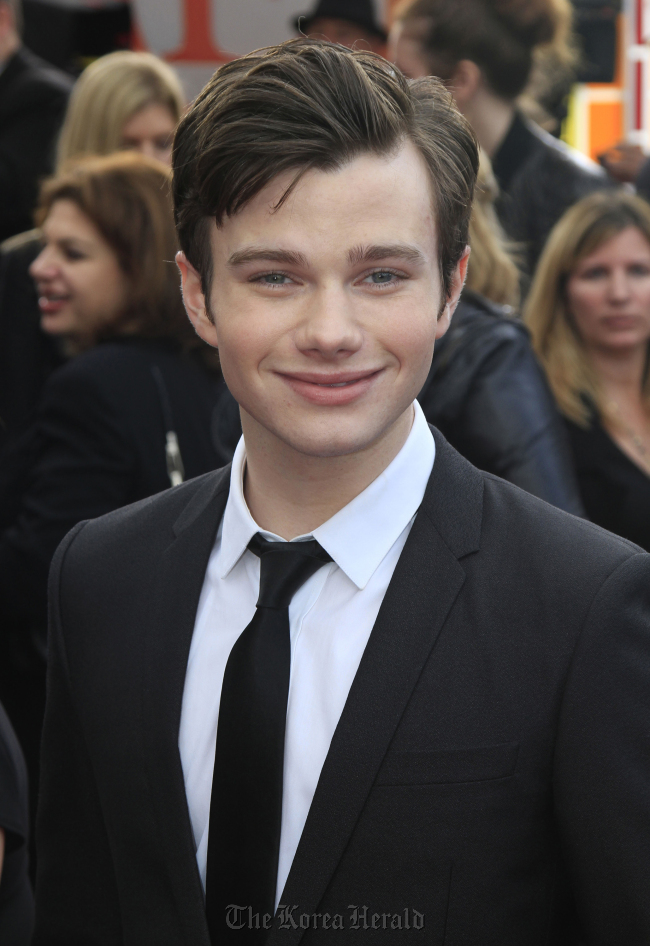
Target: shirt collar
(359, 536)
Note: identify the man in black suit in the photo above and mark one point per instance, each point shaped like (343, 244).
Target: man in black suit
(33, 98)
(348, 688)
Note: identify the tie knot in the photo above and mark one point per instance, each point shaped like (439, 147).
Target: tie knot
(284, 567)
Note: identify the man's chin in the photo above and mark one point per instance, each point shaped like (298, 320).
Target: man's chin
(325, 441)
(318, 437)
(325, 446)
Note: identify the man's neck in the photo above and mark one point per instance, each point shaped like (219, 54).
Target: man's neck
(290, 494)
(490, 116)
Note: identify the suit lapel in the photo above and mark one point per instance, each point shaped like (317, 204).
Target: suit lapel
(181, 572)
(13, 68)
(424, 587)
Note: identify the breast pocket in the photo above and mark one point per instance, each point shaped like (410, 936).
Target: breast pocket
(442, 766)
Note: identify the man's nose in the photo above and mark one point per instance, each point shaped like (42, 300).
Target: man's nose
(329, 326)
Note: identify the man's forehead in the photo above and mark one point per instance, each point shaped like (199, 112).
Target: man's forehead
(380, 201)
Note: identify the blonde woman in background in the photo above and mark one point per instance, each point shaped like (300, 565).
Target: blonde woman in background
(589, 315)
(125, 100)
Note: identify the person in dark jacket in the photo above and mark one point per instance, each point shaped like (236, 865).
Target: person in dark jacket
(123, 101)
(28, 356)
(487, 394)
(486, 391)
(483, 51)
(128, 416)
(33, 98)
(16, 898)
(589, 313)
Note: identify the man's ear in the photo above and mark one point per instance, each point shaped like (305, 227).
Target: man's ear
(195, 302)
(465, 82)
(455, 289)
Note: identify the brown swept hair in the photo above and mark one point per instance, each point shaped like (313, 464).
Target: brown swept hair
(578, 234)
(128, 198)
(309, 104)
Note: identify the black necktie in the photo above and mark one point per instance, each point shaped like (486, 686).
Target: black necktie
(246, 805)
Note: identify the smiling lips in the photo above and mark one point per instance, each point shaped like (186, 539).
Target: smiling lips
(49, 304)
(341, 387)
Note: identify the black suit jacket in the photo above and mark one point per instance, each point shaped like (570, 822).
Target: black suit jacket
(490, 770)
(33, 99)
(97, 442)
(28, 356)
(539, 178)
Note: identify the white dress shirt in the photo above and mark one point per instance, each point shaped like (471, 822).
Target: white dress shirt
(331, 617)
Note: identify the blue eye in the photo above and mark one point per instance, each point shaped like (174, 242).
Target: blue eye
(274, 279)
(383, 277)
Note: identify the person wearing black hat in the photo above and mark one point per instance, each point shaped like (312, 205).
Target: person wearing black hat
(347, 22)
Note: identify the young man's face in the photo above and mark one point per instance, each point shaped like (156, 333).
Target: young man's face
(325, 312)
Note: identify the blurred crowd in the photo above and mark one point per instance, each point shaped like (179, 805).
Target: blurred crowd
(107, 396)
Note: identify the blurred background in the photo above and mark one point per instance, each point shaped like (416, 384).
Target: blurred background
(605, 105)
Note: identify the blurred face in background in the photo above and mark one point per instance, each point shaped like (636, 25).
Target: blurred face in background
(608, 294)
(150, 131)
(344, 32)
(80, 283)
(406, 51)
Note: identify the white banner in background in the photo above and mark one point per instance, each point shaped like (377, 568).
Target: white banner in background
(195, 35)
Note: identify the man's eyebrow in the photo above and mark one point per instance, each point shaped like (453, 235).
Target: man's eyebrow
(370, 254)
(262, 254)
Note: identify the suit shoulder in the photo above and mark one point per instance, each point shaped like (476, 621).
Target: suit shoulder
(140, 529)
(41, 77)
(535, 530)
(109, 368)
(105, 358)
(557, 153)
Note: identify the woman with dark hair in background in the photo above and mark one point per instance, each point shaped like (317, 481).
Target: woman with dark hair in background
(122, 101)
(129, 416)
(484, 51)
(589, 314)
